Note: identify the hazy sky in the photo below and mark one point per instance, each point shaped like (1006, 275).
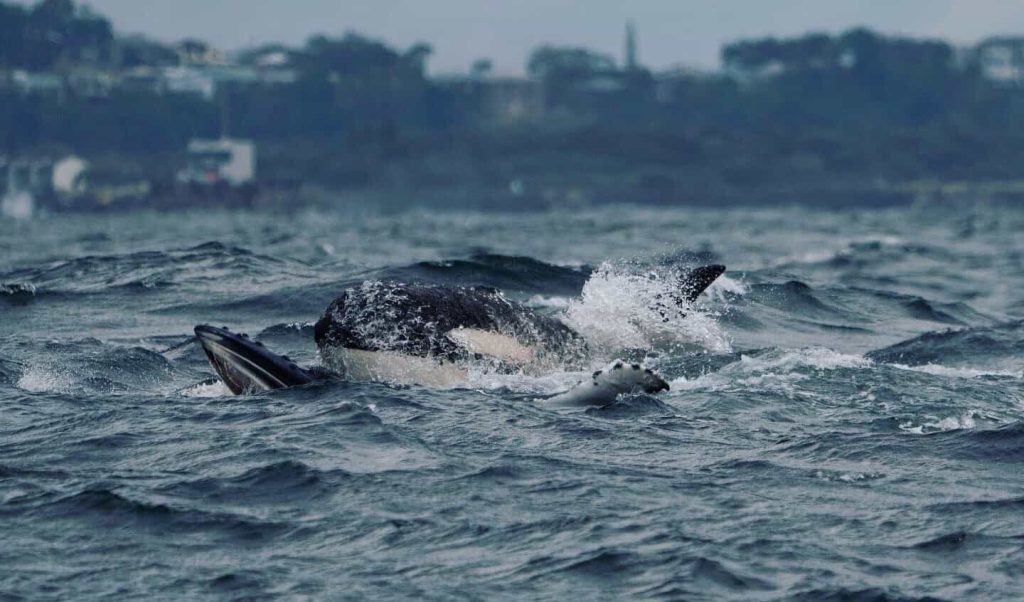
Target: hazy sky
(688, 32)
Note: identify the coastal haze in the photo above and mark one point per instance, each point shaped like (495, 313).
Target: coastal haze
(844, 419)
(688, 32)
(96, 116)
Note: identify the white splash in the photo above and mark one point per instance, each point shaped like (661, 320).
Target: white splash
(937, 425)
(214, 389)
(524, 383)
(848, 477)
(621, 310)
(546, 302)
(776, 370)
(39, 380)
(725, 285)
(950, 372)
(819, 358)
(832, 249)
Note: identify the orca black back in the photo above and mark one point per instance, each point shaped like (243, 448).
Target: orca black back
(416, 319)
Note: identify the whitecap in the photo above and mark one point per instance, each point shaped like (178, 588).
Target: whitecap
(940, 425)
(207, 389)
(820, 358)
(938, 370)
(38, 380)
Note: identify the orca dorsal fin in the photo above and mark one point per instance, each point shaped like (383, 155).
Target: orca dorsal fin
(697, 280)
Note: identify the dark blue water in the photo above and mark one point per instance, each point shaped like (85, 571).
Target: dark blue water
(845, 420)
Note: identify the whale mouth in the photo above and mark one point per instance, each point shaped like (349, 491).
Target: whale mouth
(246, 366)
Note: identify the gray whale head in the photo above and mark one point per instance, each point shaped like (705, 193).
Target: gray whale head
(246, 366)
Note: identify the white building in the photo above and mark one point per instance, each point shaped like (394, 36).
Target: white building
(1002, 59)
(69, 175)
(211, 162)
(43, 176)
(189, 80)
(37, 84)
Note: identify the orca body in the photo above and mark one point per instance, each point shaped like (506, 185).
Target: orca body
(450, 324)
(428, 335)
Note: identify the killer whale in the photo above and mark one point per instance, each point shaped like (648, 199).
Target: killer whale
(407, 333)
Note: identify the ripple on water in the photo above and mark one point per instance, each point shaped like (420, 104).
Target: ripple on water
(844, 421)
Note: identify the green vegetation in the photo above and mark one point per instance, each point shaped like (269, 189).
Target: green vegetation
(801, 116)
(51, 34)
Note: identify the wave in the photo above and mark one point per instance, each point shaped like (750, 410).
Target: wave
(154, 270)
(750, 369)
(117, 511)
(952, 423)
(791, 414)
(948, 542)
(865, 594)
(794, 297)
(511, 274)
(287, 331)
(89, 366)
(17, 292)
(631, 406)
(919, 308)
(210, 388)
(856, 307)
(9, 370)
(817, 358)
(867, 252)
(313, 292)
(272, 483)
(998, 445)
(953, 372)
(966, 347)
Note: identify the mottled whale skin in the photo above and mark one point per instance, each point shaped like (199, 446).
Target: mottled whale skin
(446, 323)
(405, 333)
(606, 385)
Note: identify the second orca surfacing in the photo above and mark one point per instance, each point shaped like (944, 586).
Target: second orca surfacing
(430, 335)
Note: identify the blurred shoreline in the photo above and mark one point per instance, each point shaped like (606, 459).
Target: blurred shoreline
(93, 119)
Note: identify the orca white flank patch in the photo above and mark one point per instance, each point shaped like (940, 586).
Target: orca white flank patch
(493, 344)
(396, 368)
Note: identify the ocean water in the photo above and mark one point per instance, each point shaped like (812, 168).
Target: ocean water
(845, 419)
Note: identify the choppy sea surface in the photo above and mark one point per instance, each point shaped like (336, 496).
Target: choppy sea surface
(845, 419)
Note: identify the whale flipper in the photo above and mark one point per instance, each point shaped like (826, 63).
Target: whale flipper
(607, 384)
(246, 366)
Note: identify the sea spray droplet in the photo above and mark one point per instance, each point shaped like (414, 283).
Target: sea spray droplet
(619, 309)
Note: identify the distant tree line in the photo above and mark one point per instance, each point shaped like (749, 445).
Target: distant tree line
(815, 108)
(52, 34)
